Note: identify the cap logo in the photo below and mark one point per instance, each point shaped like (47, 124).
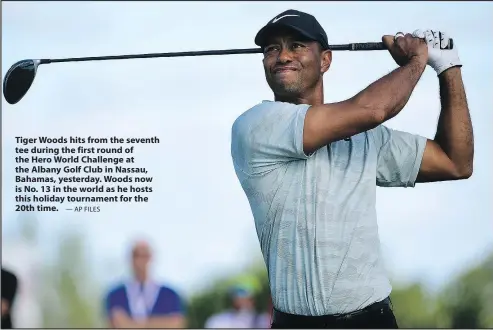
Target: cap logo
(278, 18)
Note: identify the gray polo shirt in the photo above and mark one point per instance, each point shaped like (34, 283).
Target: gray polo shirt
(315, 215)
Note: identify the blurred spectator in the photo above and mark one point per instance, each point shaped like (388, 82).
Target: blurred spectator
(242, 314)
(141, 302)
(9, 291)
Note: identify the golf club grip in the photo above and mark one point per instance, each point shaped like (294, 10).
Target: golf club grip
(372, 46)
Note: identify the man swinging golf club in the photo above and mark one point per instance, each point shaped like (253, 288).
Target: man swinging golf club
(310, 169)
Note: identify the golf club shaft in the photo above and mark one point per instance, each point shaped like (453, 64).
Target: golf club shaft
(350, 47)
(363, 46)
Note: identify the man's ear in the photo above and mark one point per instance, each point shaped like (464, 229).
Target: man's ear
(326, 60)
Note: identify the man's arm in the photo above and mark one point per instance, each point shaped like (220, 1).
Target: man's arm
(121, 320)
(176, 321)
(273, 133)
(450, 155)
(169, 311)
(379, 102)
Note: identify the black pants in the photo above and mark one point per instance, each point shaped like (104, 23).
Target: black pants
(378, 315)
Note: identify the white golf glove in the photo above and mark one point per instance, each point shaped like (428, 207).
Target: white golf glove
(439, 59)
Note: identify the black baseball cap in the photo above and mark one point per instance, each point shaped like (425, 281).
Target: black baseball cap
(303, 23)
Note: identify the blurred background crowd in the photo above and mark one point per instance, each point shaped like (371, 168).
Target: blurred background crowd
(66, 293)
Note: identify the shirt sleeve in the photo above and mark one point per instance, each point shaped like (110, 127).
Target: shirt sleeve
(267, 136)
(108, 304)
(169, 302)
(399, 157)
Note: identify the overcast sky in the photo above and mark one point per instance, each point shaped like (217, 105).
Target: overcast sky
(198, 218)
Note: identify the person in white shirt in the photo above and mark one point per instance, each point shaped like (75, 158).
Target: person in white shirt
(141, 302)
(241, 315)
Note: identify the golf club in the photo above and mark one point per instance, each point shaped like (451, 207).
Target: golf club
(21, 75)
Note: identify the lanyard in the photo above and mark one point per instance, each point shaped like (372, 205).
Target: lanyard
(141, 298)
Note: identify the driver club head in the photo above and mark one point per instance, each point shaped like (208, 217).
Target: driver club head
(19, 79)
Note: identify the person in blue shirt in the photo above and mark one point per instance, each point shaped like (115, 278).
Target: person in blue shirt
(141, 302)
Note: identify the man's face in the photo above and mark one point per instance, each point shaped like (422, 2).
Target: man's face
(243, 302)
(292, 64)
(141, 256)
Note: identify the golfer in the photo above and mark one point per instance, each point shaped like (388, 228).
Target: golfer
(310, 169)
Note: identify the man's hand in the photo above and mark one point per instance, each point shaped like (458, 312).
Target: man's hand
(121, 320)
(439, 59)
(405, 48)
(176, 321)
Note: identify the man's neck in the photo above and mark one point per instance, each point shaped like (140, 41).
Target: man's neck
(142, 279)
(314, 97)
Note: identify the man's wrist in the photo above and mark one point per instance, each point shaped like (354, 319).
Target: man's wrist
(451, 72)
(418, 64)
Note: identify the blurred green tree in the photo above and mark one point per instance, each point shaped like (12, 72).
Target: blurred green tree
(70, 300)
(467, 302)
(413, 307)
